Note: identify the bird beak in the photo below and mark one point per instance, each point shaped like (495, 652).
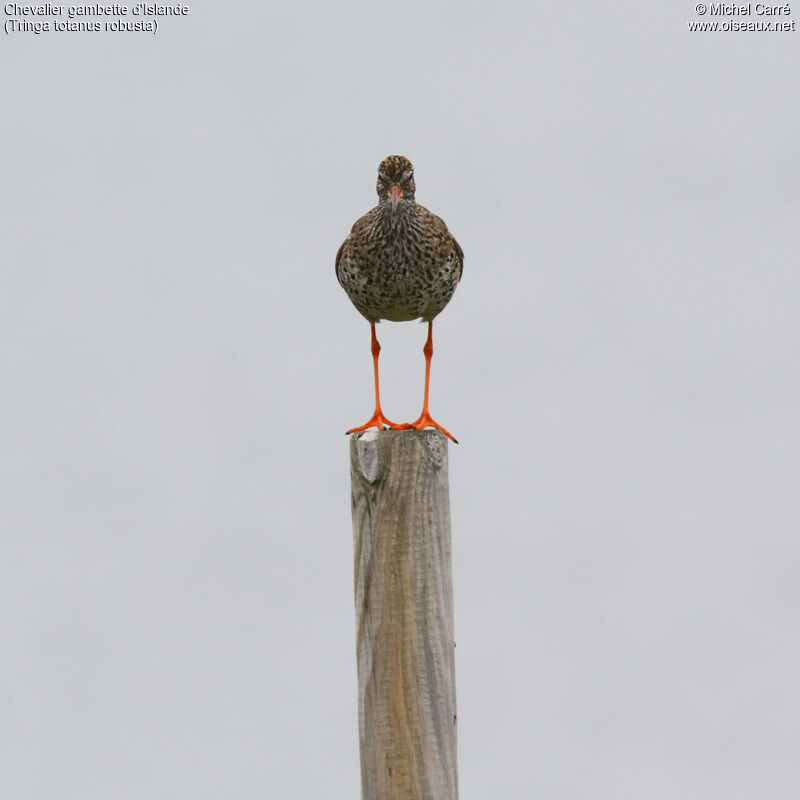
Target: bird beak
(395, 193)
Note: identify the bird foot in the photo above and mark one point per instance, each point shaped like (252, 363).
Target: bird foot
(426, 421)
(377, 420)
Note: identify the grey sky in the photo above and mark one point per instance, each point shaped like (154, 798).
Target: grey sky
(620, 365)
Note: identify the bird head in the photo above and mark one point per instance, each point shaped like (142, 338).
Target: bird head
(396, 181)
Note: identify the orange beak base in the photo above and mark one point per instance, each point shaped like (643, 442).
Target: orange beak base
(395, 193)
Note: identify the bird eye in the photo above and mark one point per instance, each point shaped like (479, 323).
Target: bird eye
(383, 177)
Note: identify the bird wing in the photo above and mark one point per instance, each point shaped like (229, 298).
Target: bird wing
(358, 225)
(338, 259)
(459, 256)
(449, 247)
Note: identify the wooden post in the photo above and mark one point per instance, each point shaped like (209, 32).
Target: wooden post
(404, 615)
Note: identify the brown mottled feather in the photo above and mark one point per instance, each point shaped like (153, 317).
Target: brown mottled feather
(399, 265)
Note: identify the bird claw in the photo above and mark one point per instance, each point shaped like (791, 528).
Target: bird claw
(377, 420)
(426, 421)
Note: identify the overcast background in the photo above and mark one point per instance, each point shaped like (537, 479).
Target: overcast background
(620, 365)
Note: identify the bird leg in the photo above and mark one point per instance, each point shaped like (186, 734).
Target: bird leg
(377, 420)
(425, 420)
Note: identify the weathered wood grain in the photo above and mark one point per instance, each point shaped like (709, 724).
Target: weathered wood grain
(404, 615)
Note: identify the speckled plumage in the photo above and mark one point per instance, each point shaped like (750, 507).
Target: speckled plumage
(399, 264)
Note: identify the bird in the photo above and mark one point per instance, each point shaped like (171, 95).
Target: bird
(399, 263)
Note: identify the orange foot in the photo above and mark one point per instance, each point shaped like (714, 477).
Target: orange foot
(426, 421)
(377, 420)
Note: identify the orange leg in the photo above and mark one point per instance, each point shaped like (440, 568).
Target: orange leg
(425, 420)
(377, 420)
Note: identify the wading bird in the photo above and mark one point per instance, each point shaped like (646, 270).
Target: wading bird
(399, 263)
